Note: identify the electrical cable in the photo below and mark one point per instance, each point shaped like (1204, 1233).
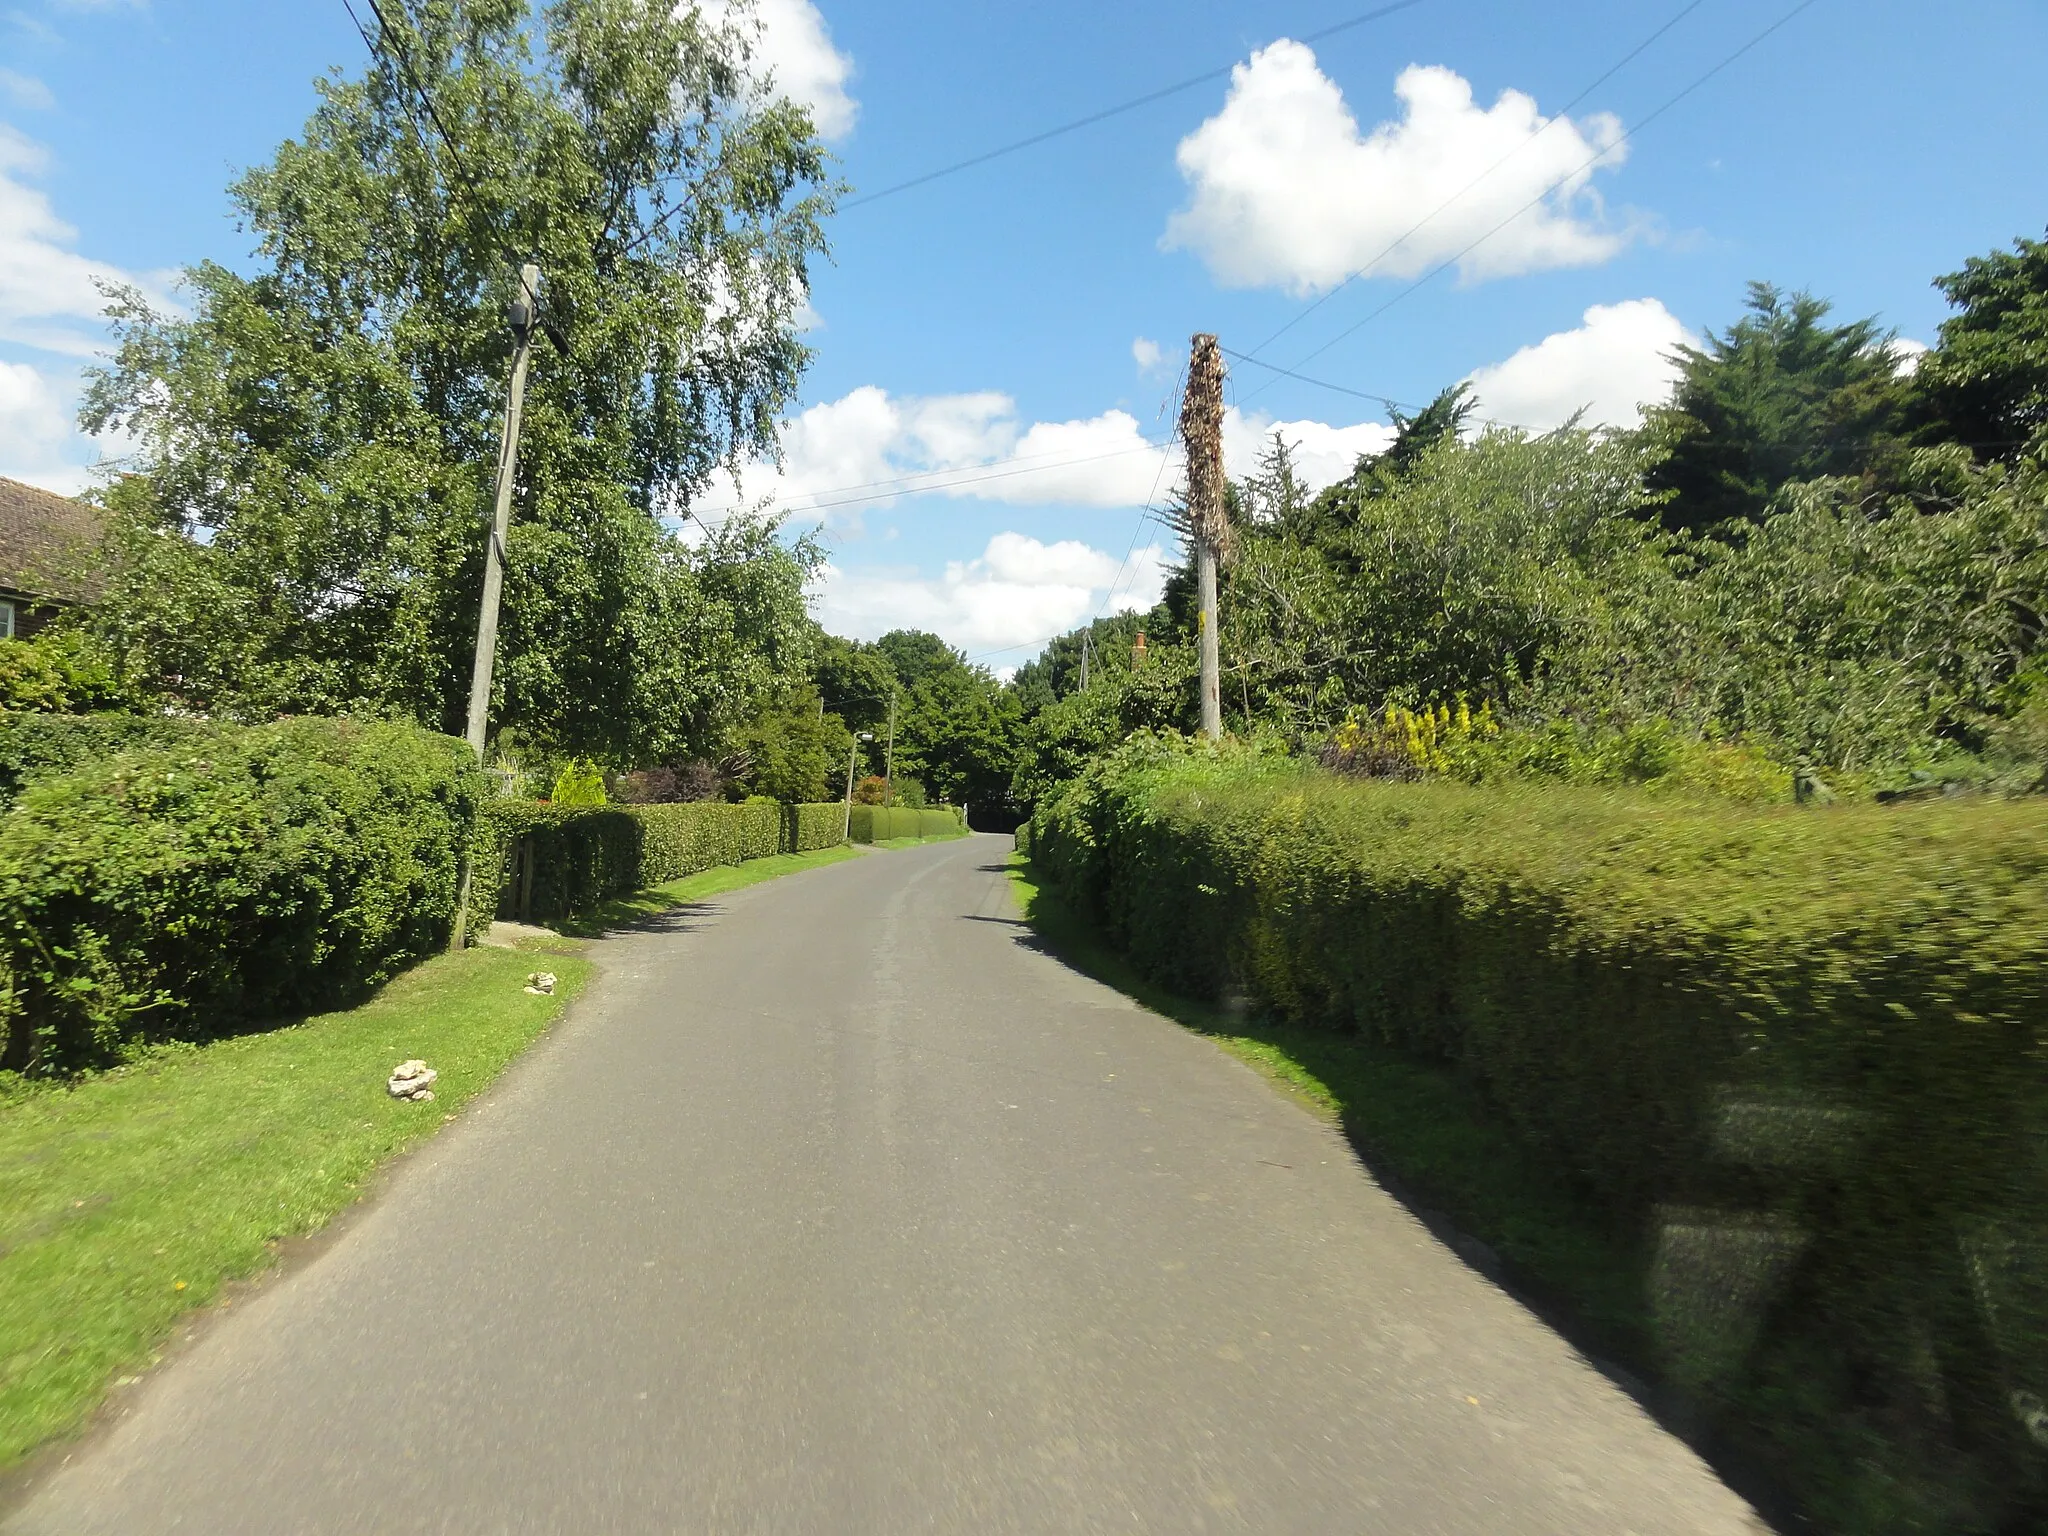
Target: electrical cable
(1108, 112)
(1563, 114)
(1452, 260)
(1043, 135)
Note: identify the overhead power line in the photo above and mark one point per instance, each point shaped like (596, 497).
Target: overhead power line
(1106, 113)
(1450, 261)
(1029, 140)
(392, 51)
(1563, 114)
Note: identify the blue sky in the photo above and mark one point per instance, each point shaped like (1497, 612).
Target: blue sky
(996, 348)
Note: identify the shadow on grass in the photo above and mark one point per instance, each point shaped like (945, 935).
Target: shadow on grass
(1426, 1137)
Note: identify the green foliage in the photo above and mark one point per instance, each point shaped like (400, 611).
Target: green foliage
(174, 891)
(544, 860)
(1986, 384)
(39, 746)
(792, 750)
(1781, 396)
(1479, 569)
(855, 680)
(61, 670)
(1796, 1050)
(877, 824)
(317, 439)
(579, 784)
(1066, 736)
(1648, 753)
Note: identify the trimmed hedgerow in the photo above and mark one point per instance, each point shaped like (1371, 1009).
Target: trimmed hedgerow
(550, 860)
(807, 828)
(242, 873)
(878, 824)
(39, 746)
(1802, 1052)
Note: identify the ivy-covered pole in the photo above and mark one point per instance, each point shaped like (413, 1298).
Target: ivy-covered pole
(1207, 524)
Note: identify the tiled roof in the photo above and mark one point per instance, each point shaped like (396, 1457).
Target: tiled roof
(43, 537)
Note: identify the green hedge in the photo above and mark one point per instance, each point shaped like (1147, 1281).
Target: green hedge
(172, 891)
(1803, 1053)
(39, 746)
(878, 824)
(548, 861)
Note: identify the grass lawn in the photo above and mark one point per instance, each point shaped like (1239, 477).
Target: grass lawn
(1421, 1128)
(131, 1196)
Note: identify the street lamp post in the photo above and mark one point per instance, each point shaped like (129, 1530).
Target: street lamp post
(846, 827)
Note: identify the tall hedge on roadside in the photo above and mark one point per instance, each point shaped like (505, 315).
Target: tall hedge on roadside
(548, 860)
(173, 890)
(877, 824)
(39, 746)
(1802, 1052)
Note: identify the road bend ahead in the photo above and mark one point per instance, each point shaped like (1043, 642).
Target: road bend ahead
(836, 1207)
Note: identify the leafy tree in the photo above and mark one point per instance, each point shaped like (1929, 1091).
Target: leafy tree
(918, 656)
(1780, 396)
(1056, 671)
(1986, 384)
(793, 749)
(855, 679)
(956, 732)
(1442, 420)
(1274, 493)
(317, 439)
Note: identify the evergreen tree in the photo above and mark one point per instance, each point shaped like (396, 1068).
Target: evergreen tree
(1781, 396)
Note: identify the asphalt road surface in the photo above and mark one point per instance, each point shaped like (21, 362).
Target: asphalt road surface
(836, 1206)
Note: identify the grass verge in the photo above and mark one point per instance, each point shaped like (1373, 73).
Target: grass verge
(132, 1196)
(716, 881)
(1423, 1132)
(915, 842)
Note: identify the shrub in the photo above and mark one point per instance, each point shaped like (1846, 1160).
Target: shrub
(879, 824)
(1799, 1050)
(580, 783)
(37, 746)
(549, 860)
(172, 891)
(61, 669)
(870, 790)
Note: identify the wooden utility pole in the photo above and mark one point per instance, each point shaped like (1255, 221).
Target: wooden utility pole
(1207, 524)
(524, 312)
(889, 758)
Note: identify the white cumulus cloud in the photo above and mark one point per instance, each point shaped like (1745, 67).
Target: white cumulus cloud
(38, 442)
(1145, 353)
(870, 448)
(1018, 592)
(1323, 454)
(794, 52)
(49, 304)
(1611, 366)
(1285, 191)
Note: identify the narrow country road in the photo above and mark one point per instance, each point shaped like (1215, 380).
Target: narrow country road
(835, 1206)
